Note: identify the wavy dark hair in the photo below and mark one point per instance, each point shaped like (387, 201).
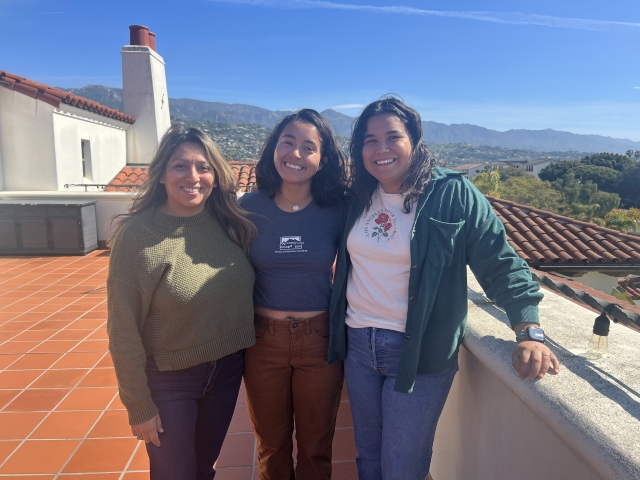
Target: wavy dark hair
(222, 203)
(328, 185)
(363, 184)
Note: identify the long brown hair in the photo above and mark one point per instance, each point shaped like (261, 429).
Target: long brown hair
(329, 184)
(363, 184)
(222, 203)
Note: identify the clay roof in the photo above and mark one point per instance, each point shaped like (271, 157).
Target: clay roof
(245, 175)
(55, 96)
(467, 166)
(591, 291)
(631, 286)
(544, 238)
(130, 178)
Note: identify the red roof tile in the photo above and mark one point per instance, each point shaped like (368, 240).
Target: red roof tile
(130, 178)
(543, 238)
(55, 96)
(245, 175)
(591, 291)
(631, 286)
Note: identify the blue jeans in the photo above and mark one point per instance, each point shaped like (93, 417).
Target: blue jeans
(393, 431)
(196, 405)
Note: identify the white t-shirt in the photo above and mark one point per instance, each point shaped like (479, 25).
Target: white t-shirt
(379, 247)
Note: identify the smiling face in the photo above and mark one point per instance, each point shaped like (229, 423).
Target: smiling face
(189, 179)
(298, 154)
(386, 152)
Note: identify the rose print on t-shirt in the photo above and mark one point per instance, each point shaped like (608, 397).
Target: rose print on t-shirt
(381, 225)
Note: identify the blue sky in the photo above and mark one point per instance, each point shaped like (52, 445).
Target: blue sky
(570, 65)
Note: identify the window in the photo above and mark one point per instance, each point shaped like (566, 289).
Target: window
(85, 147)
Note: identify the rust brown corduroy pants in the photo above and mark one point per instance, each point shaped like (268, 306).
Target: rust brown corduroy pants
(286, 374)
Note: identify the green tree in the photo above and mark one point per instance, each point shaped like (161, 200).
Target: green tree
(557, 170)
(629, 187)
(622, 220)
(569, 186)
(610, 160)
(605, 203)
(528, 190)
(606, 178)
(584, 199)
(510, 172)
(488, 183)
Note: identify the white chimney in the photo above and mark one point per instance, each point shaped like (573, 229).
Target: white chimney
(145, 94)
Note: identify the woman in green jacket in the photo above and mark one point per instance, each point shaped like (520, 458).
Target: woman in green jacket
(399, 302)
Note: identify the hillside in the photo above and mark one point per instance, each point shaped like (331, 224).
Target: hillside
(187, 109)
(460, 153)
(243, 143)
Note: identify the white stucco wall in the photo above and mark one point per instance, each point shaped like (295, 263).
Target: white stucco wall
(27, 148)
(145, 94)
(108, 140)
(583, 423)
(538, 167)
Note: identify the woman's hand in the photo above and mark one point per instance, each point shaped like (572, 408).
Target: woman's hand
(533, 360)
(149, 430)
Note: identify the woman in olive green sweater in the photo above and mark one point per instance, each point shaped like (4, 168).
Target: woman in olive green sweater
(180, 305)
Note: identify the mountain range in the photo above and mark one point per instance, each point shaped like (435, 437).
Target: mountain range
(187, 109)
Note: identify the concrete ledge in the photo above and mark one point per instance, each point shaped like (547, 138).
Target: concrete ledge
(592, 407)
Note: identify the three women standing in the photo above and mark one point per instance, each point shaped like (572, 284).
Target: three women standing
(180, 305)
(298, 212)
(180, 290)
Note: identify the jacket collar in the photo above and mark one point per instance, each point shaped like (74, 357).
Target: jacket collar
(437, 174)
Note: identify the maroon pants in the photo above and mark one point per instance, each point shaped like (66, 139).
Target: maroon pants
(287, 375)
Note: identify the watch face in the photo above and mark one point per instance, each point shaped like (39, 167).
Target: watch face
(536, 334)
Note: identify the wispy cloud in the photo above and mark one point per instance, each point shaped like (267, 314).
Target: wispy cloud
(507, 18)
(636, 88)
(347, 106)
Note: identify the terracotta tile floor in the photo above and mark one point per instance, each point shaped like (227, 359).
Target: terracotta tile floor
(60, 415)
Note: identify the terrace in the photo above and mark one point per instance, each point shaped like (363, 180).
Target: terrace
(60, 415)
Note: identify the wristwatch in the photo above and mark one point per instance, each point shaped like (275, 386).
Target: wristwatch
(531, 333)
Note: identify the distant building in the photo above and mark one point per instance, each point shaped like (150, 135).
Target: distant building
(51, 140)
(532, 167)
(470, 170)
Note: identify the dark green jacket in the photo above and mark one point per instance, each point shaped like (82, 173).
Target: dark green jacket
(455, 226)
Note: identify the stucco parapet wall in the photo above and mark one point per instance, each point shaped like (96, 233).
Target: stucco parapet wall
(142, 49)
(592, 406)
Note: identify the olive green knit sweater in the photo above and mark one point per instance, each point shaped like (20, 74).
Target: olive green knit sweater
(178, 289)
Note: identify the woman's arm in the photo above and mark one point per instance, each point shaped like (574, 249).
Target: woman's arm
(128, 306)
(506, 279)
